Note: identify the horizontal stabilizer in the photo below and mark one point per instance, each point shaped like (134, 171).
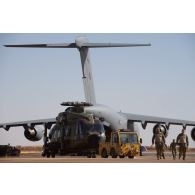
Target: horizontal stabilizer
(100, 45)
(75, 45)
(57, 45)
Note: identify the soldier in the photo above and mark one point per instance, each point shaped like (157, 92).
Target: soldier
(182, 141)
(173, 149)
(159, 140)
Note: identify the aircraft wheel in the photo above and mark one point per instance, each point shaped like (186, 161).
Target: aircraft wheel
(43, 154)
(104, 154)
(93, 155)
(80, 154)
(48, 155)
(53, 155)
(89, 155)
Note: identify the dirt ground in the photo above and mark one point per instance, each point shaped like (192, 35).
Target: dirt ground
(148, 157)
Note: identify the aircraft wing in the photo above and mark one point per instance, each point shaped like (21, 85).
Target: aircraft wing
(143, 119)
(30, 123)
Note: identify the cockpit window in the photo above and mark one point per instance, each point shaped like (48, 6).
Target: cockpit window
(85, 126)
(98, 126)
(54, 132)
(114, 138)
(128, 138)
(133, 138)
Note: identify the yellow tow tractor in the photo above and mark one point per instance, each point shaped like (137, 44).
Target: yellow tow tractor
(121, 143)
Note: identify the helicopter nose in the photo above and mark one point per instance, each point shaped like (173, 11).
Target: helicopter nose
(93, 140)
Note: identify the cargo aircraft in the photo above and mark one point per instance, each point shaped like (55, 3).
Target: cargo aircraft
(80, 127)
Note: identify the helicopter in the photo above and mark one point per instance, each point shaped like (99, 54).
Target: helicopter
(74, 132)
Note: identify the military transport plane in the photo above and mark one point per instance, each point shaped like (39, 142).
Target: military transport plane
(80, 127)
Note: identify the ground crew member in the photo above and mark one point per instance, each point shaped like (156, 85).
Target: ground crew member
(159, 140)
(140, 150)
(173, 149)
(182, 141)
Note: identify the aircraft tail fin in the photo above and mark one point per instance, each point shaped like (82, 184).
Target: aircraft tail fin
(82, 44)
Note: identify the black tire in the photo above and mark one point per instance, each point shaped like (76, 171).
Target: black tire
(113, 153)
(121, 156)
(48, 154)
(131, 157)
(93, 155)
(53, 155)
(104, 153)
(43, 154)
(79, 153)
(89, 155)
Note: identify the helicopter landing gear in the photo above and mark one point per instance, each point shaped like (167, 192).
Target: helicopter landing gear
(49, 148)
(91, 154)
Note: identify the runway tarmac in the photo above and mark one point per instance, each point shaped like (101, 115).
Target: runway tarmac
(148, 157)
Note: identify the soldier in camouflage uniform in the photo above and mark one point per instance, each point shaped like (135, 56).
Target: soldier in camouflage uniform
(182, 141)
(173, 149)
(159, 140)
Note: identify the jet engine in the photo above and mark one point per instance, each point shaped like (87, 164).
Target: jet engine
(193, 134)
(33, 134)
(163, 129)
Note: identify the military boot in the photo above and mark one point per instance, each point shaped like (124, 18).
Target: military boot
(163, 155)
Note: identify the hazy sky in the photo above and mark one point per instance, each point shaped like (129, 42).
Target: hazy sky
(157, 80)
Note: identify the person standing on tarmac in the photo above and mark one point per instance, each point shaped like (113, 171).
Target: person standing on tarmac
(159, 140)
(182, 141)
(173, 149)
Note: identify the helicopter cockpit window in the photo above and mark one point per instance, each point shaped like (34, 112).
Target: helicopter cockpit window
(98, 126)
(52, 131)
(84, 126)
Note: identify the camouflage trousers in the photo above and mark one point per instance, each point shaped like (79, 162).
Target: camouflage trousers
(182, 151)
(159, 150)
(174, 153)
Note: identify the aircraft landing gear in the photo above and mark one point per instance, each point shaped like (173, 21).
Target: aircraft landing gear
(45, 145)
(91, 155)
(49, 149)
(44, 153)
